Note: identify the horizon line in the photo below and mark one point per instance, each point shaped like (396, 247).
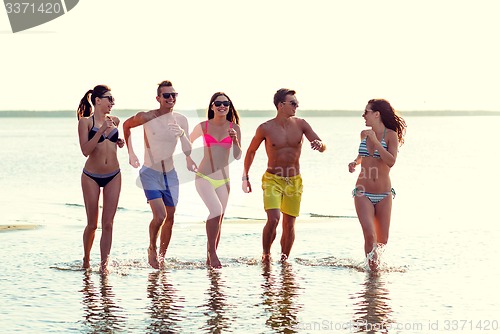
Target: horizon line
(262, 110)
(254, 113)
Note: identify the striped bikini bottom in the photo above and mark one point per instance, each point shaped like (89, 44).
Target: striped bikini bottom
(374, 198)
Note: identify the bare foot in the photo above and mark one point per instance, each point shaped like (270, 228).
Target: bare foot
(86, 263)
(214, 261)
(104, 270)
(372, 258)
(373, 265)
(283, 258)
(161, 260)
(266, 257)
(153, 258)
(266, 266)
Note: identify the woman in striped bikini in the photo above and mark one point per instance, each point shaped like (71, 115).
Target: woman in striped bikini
(220, 133)
(373, 192)
(98, 134)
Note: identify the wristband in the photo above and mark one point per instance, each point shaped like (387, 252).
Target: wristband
(245, 178)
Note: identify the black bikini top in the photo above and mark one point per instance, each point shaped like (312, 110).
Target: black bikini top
(112, 136)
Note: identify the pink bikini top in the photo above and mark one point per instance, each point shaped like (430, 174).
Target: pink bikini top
(209, 140)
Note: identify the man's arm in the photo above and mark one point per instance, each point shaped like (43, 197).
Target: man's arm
(132, 122)
(250, 155)
(197, 132)
(316, 143)
(184, 138)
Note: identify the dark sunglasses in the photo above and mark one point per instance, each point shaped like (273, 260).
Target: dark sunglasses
(292, 103)
(220, 103)
(366, 112)
(167, 95)
(109, 97)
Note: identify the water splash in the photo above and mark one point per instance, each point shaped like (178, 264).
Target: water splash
(347, 263)
(373, 259)
(332, 261)
(246, 261)
(114, 267)
(124, 267)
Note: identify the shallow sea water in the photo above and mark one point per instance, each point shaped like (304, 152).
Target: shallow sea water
(438, 272)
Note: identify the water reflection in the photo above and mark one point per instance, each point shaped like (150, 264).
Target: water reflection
(165, 308)
(280, 298)
(372, 311)
(218, 321)
(101, 313)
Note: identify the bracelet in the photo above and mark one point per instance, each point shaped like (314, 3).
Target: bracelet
(245, 178)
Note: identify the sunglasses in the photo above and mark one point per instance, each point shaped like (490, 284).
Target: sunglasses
(109, 97)
(167, 95)
(220, 103)
(293, 103)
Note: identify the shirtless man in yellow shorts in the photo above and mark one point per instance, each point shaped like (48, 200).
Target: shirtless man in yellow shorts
(281, 183)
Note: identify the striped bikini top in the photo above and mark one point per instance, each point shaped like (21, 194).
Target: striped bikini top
(224, 142)
(363, 150)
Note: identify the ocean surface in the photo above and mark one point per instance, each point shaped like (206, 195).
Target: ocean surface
(439, 271)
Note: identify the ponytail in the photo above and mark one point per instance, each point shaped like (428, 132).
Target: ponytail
(85, 108)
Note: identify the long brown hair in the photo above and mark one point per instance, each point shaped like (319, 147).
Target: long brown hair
(232, 115)
(389, 117)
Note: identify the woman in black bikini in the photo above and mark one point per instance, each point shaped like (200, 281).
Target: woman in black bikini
(98, 134)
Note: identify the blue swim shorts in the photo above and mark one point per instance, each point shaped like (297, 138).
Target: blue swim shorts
(160, 185)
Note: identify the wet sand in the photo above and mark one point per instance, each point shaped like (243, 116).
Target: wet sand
(4, 228)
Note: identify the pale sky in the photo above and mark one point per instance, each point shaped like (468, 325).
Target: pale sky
(420, 55)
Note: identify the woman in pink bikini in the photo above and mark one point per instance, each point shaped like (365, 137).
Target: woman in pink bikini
(220, 133)
(373, 192)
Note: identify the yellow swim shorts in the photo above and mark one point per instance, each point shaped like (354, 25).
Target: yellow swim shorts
(282, 193)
